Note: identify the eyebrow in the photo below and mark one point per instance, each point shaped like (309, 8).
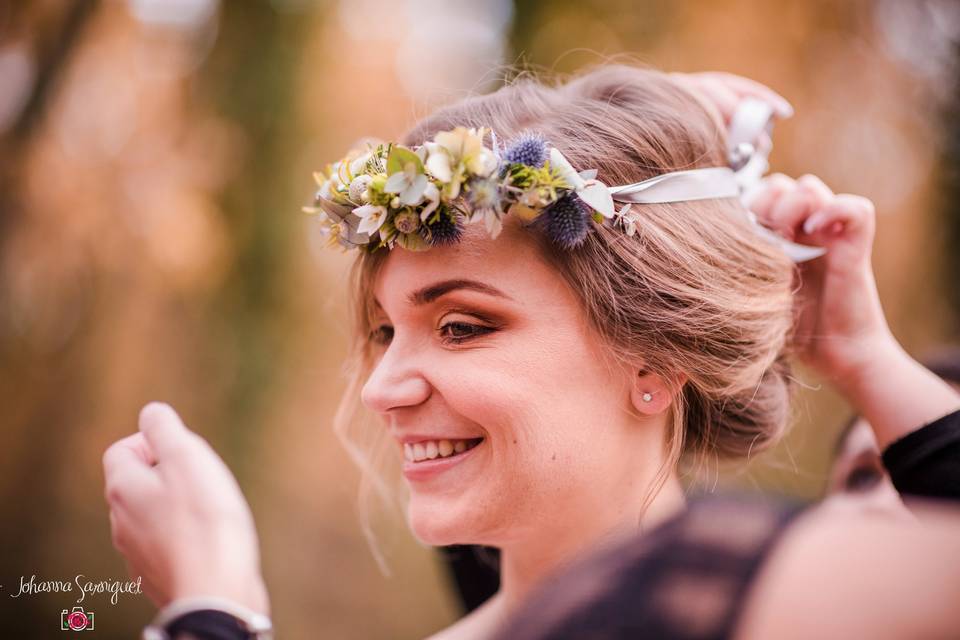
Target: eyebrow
(431, 292)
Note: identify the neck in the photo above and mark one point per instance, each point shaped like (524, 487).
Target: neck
(525, 564)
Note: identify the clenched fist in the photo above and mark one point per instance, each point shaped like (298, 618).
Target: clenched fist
(178, 517)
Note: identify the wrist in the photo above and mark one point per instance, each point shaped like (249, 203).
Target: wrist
(856, 360)
(250, 593)
(895, 394)
(878, 357)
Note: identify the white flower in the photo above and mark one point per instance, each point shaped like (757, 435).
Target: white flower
(454, 153)
(438, 162)
(432, 195)
(371, 217)
(585, 184)
(358, 164)
(483, 163)
(409, 183)
(629, 219)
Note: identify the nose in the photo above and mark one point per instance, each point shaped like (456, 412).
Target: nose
(397, 381)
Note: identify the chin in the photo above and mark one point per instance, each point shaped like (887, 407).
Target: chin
(434, 523)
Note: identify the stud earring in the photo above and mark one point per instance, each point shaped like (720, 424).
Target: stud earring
(647, 397)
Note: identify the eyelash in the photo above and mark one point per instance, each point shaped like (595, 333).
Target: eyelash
(476, 330)
(379, 335)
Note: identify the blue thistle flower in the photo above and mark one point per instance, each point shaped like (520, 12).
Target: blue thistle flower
(445, 230)
(566, 221)
(529, 148)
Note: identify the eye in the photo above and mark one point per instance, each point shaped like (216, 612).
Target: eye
(862, 479)
(458, 332)
(382, 334)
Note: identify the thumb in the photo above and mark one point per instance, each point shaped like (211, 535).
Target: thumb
(164, 430)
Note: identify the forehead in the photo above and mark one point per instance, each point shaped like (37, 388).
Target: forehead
(511, 262)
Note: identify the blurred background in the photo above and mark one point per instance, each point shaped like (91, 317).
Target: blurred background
(154, 156)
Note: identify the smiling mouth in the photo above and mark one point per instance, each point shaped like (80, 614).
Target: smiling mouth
(427, 450)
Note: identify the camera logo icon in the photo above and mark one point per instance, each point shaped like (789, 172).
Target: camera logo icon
(76, 620)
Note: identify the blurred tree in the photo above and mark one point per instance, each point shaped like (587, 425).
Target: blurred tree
(950, 185)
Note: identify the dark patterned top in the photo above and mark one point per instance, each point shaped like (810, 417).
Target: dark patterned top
(685, 580)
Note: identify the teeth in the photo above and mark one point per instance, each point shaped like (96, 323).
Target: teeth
(445, 447)
(430, 449)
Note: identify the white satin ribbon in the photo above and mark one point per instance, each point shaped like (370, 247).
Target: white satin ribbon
(748, 147)
(680, 186)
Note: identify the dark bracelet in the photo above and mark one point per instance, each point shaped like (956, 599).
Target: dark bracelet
(208, 619)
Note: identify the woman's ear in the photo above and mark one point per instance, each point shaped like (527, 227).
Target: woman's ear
(652, 394)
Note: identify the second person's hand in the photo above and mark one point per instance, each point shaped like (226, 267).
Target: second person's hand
(178, 516)
(841, 329)
(840, 321)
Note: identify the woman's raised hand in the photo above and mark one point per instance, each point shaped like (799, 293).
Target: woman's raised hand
(178, 517)
(725, 91)
(841, 330)
(840, 320)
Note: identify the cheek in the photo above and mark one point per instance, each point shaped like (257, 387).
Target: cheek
(540, 404)
(526, 405)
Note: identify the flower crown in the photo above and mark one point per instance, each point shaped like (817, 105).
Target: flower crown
(387, 195)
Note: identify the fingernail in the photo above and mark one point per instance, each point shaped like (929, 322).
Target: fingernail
(154, 405)
(784, 109)
(154, 410)
(811, 224)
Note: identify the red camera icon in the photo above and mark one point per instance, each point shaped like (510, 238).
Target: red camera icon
(76, 620)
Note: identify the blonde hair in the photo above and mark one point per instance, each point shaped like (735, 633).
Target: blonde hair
(695, 293)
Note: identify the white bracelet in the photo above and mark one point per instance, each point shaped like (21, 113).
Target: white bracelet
(257, 624)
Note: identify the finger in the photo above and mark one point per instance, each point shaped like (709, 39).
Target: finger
(126, 469)
(164, 431)
(820, 193)
(745, 87)
(132, 449)
(721, 96)
(847, 214)
(771, 190)
(714, 95)
(787, 214)
(129, 485)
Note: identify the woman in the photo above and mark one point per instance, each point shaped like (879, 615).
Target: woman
(543, 380)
